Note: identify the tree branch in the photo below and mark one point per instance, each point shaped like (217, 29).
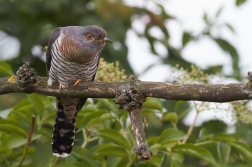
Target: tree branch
(130, 97)
(164, 90)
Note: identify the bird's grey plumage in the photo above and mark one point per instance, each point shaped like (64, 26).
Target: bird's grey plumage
(73, 54)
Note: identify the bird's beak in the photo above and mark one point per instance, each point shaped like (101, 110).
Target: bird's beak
(106, 39)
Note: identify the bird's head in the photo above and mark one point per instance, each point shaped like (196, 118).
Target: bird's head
(82, 44)
(92, 39)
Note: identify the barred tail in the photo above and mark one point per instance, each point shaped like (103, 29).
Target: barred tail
(64, 128)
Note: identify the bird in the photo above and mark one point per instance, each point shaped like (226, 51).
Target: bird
(72, 56)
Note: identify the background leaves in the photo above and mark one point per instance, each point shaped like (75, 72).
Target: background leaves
(103, 134)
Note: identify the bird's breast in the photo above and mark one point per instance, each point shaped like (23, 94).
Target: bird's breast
(65, 71)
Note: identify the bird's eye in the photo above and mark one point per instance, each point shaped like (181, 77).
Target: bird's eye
(89, 36)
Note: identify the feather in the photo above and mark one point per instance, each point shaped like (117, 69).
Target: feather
(70, 57)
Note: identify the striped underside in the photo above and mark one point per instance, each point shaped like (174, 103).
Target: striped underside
(66, 73)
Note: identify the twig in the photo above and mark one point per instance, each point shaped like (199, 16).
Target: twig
(130, 98)
(28, 141)
(189, 132)
(31, 129)
(55, 161)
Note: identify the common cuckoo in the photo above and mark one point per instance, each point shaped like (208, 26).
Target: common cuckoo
(72, 56)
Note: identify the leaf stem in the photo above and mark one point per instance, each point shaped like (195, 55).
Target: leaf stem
(174, 125)
(189, 132)
(55, 161)
(5, 160)
(28, 141)
(132, 160)
(85, 138)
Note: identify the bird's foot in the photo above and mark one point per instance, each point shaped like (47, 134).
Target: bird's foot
(60, 87)
(76, 82)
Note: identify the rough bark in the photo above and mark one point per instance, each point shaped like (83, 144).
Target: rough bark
(130, 98)
(164, 90)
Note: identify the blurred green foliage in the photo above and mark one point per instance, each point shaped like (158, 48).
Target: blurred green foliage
(104, 136)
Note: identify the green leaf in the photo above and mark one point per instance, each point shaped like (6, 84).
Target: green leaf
(83, 156)
(155, 147)
(153, 140)
(203, 135)
(195, 151)
(46, 132)
(178, 157)
(90, 116)
(225, 138)
(170, 116)
(24, 115)
(170, 137)
(68, 164)
(243, 149)
(109, 149)
(42, 156)
(115, 137)
(3, 137)
(240, 2)
(182, 108)
(11, 122)
(93, 118)
(15, 141)
(4, 149)
(108, 103)
(165, 161)
(214, 69)
(49, 117)
(116, 161)
(178, 164)
(5, 68)
(186, 38)
(230, 27)
(37, 103)
(154, 162)
(227, 47)
(223, 150)
(153, 103)
(23, 105)
(102, 118)
(13, 129)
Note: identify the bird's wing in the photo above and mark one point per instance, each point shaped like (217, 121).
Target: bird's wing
(55, 34)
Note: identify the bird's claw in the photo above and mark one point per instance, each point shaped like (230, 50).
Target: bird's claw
(60, 87)
(76, 82)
